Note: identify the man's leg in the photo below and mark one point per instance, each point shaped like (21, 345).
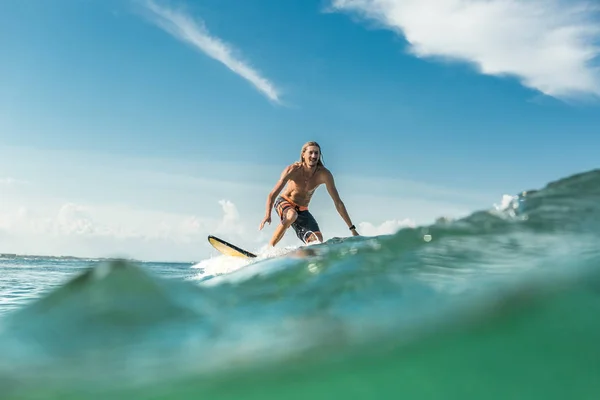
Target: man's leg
(315, 236)
(308, 228)
(289, 216)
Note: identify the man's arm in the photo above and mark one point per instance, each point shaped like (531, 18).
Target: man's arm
(285, 176)
(339, 204)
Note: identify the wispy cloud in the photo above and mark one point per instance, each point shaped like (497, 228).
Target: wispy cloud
(194, 32)
(549, 45)
(11, 181)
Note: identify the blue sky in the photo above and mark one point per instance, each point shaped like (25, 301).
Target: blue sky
(137, 128)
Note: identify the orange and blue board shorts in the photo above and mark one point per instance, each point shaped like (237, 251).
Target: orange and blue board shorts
(305, 223)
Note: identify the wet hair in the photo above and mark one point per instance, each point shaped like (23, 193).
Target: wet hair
(307, 145)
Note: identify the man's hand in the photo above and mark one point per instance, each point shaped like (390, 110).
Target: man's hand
(354, 233)
(267, 219)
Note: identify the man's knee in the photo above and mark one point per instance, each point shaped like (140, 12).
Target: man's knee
(289, 218)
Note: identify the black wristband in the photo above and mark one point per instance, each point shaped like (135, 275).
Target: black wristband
(352, 227)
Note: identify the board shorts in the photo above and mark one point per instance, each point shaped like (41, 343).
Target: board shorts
(304, 224)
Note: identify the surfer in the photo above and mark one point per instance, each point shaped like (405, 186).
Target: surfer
(302, 179)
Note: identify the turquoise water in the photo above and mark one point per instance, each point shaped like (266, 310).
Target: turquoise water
(503, 304)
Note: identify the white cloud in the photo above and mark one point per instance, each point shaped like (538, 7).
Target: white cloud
(231, 219)
(386, 228)
(108, 229)
(549, 45)
(185, 28)
(74, 219)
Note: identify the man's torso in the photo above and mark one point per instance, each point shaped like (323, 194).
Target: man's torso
(301, 185)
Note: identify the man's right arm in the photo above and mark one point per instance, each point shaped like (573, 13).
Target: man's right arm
(285, 176)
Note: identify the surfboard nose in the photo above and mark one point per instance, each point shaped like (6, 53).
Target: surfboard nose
(228, 249)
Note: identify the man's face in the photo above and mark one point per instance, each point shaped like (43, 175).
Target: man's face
(311, 156)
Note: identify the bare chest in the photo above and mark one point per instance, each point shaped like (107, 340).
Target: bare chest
(305, 184)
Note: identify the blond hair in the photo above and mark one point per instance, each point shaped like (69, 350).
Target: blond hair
(307, 145)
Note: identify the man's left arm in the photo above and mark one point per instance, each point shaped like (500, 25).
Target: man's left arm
(339, 204)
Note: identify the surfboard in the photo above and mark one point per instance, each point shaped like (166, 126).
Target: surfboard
(228, 249)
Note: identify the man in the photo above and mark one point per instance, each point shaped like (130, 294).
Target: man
(302, 179)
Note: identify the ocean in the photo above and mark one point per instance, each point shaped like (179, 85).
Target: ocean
(501, 304)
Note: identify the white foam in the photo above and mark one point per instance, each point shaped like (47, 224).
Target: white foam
(509, 208)
(219, 265)
(224, 265)
(507, 201)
